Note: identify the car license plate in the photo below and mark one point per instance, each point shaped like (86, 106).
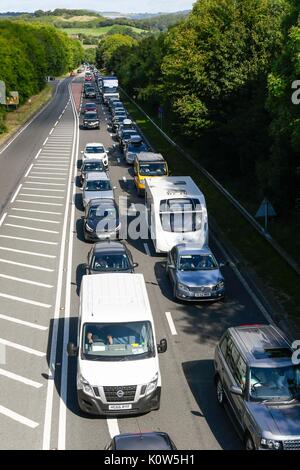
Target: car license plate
(120, 407)
(202, 294)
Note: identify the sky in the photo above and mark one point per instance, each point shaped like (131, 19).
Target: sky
(123, 6)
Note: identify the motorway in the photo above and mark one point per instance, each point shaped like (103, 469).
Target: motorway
(42, 253)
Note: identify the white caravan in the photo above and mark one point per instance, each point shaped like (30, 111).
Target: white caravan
(117, 366)
(110, 88)
(176, 212)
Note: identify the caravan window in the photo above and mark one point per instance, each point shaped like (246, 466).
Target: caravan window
(180, 215)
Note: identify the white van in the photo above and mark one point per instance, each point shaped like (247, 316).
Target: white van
(117, 366)
(176, 212)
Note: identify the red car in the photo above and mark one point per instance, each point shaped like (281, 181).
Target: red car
(88, 78)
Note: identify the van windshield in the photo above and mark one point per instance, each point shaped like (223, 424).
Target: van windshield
(117, 341)
(153, 169)
(180, 215)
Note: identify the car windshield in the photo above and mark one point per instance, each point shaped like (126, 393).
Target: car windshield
(102, 211)
(117, 341)
(90, 107)
(153, 169)
(126, 134)
(105, 262)
(180, 215)
(98, 185)
(110, 89)
(94, 149)
(91, 116)
(197, 263)
(93, 166)
(274, 383)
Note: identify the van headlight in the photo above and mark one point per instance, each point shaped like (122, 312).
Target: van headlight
(84, 385)
(151, 386)
(271, 444)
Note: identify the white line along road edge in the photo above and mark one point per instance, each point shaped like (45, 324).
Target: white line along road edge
(53, 350)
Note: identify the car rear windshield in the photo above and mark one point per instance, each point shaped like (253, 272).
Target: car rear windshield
(180, 215)
(93, 166)
(98, 185)
(117, 341)
(91, 116)
(153, 169)
(94, 149)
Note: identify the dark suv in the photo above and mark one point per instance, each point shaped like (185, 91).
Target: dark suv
(257, 375)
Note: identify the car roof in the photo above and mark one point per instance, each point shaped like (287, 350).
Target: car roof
(150, 157)
(110, 246)
(136, 138)
(258, 344)
(127, 121)
(96, 175)
(143, 441)
(192, 248)
(94, 144)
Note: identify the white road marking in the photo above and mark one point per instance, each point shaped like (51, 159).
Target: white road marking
(171, 323)
(124, 179)
(31, 228)
(22, 348)
(113, 427)
(22, 322)
(37, 155)
(43, 189)
(48, 173)
(16, 193)
(24, 301)
(32, 253)
(40, 212)
(50, 166)
(40, 203)
(29, 240)
(51, 131)
(147, 250)
(20, 378)
(28, 171)
(39, 195)
(2, 218)
(60, 116)
(31, 266)
(45, 141)
(48, 184)
(46, 178)
(17, 417)
(26, 281)
(32, 218)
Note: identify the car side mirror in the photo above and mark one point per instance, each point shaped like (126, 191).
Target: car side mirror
(172, 266)
(224, 263)
(235, 390)
(162, 346)
(135, 265)
(72, 350)
(114, 187)
(81, 151)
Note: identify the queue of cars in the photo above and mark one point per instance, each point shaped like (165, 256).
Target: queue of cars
(117, 353)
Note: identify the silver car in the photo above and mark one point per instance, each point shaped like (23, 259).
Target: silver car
(96, 185)
(258, 378)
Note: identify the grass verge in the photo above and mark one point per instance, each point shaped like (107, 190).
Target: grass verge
(275, 273)
(15, 119)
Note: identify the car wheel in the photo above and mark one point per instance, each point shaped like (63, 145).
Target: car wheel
(249, 444)
(220, 392)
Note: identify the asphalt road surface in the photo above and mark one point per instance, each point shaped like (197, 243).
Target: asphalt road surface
(42, 253)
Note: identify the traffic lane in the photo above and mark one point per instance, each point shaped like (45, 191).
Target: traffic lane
(15, 159)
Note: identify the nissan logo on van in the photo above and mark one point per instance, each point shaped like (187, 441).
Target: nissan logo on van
(120, 393)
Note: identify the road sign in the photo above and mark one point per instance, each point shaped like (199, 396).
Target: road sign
(2, 92)
(265, 210)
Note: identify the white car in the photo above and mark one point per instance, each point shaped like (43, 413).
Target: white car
(95, 150)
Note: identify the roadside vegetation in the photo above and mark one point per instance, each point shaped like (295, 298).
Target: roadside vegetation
(223, 76)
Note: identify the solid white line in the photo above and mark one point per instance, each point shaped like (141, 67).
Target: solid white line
(41, 203)
(48, 184)
(17, 417)
(39, 195)
(37, 155)
(29, 240)
(16, 193)
(66, 325)
(26, 281)
(43, 189)
(32, 253)
(40, 212)
(2, 218)
(50, 166)
(171, 323)
(28, 171)
(46, 178)
(113, 427)
(20, 378)
(45, 141)
(147, 250)
(31, 266)
(32, 218)
(22, 322)
(48, 173)
(31, 228)
(51, 131)
(22, 348)
(54, 338)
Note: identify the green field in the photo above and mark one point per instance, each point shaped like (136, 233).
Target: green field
(97, 31)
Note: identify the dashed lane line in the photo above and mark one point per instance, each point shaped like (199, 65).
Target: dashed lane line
(3, 218)
(171, 323)
(16, 193)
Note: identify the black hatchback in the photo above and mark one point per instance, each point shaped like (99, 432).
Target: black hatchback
(110, 257)
(142, 441)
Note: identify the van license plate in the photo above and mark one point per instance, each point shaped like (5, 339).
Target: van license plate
(119, 407)
(202, 294)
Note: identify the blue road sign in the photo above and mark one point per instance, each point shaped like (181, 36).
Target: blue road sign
(265, 208)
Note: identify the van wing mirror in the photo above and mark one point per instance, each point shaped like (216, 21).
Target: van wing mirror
(162, 346)
(72, 350)
(235, 390)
